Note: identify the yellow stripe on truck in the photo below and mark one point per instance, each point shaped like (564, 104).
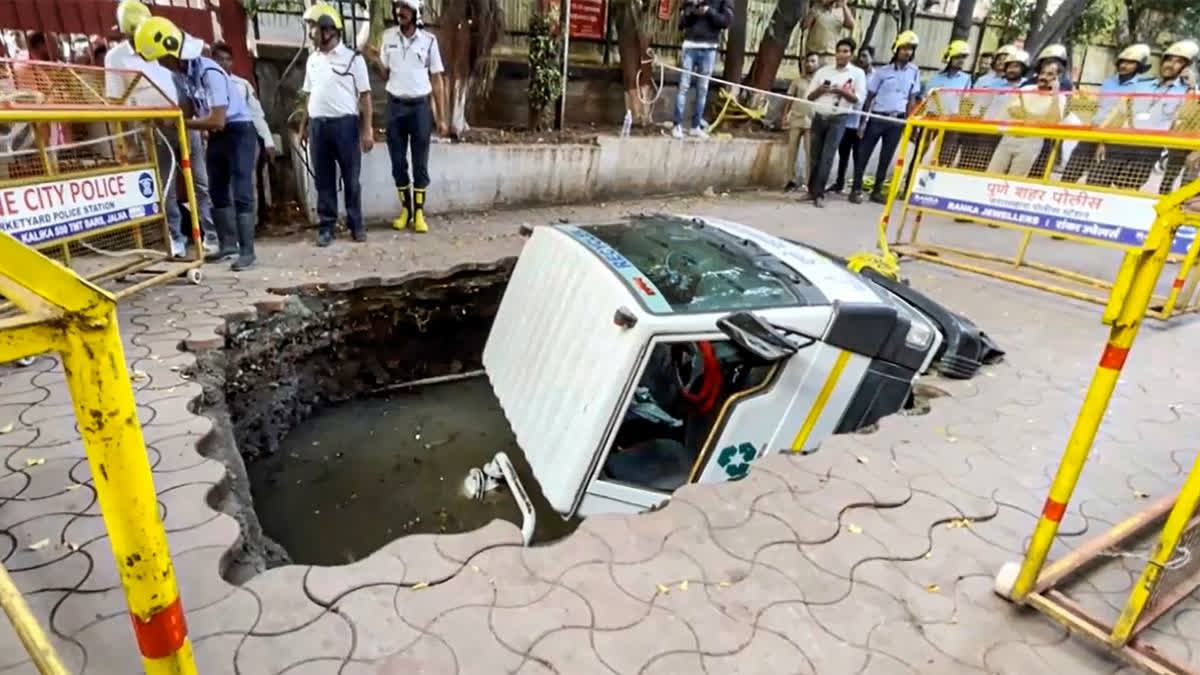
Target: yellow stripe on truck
(818, 405)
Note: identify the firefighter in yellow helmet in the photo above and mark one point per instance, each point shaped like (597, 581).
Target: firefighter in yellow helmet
(1132, 63)
(891, 93)
(337, 126)
(211, 106)
(944, 91)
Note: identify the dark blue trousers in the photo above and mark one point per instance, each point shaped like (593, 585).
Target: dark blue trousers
(877, 130)
(230, 159)
(333, 146)
(410, 124)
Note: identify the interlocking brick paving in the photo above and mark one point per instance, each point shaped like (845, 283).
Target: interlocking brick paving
(874, 555)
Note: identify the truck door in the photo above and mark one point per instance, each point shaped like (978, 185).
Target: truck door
(686, 386)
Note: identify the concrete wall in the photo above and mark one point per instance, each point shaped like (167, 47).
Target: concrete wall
(469, 177)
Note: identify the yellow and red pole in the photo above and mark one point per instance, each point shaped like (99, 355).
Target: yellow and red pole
(1130, 305)
(185, 163)
(97, 375)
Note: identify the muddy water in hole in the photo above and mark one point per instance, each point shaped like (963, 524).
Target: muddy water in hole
(357, 476)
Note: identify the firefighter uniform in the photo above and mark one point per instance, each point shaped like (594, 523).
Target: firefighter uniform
(1083, 159)
(1129, 167)
(891, 89)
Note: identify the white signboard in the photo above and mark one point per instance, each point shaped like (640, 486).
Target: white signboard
(54, 210)
(1104, 216)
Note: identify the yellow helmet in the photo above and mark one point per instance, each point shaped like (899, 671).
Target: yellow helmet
(324, 15)
(955, 49)
(157, 37)
(130, 15)
(906, 39)
(1003, 53)
(1184, 49)
(1054, 51)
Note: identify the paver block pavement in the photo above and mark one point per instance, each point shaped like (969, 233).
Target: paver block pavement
(764, 575)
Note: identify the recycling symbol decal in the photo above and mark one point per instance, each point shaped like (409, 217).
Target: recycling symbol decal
(736, 459)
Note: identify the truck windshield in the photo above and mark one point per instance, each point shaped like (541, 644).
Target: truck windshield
(696, 267)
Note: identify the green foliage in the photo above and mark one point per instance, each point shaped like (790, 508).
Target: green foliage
(1013, 18)
(545, 74)
(1096, 22)
(253, 7)
(1160, 22)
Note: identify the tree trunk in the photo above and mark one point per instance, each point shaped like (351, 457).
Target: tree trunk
(1055, 26)
(961, 30)
(881, 7)
(632, 46)
(784, 18)
(735, 45)
(908, 15)
(1035, 22)
(467, 32)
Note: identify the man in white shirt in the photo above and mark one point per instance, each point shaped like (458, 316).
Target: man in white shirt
(833, 92)
(410, 60)
(1038, 103)
(337, 127)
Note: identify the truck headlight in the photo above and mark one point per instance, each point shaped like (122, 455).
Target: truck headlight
(919, 336)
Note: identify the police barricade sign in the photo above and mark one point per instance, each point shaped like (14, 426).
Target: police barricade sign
(57, 210)
(1081, 166)
(85, 172)
(1103, 217)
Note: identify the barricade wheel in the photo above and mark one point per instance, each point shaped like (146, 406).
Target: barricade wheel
(1006, 578)
(195, 275)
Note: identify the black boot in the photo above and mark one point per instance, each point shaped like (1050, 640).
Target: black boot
(224, 221)
(245, 235)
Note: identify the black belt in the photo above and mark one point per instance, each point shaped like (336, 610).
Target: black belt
(408, 99)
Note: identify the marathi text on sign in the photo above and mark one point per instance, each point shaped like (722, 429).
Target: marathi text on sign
(54, 210)
(1103, 216)
(587, 19)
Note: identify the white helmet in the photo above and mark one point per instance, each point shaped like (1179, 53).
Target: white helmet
(414, 5)
(1184, 49)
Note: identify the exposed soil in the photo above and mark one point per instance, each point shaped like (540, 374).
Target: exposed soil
(326, 347)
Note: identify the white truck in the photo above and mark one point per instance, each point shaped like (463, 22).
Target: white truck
(634, 357)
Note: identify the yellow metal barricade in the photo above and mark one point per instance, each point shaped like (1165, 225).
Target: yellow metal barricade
(1084, 167)
(78, 182)
(83, 176)
(1172, 570)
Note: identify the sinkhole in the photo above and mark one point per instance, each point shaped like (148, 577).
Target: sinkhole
(357, 412)
(352, 414)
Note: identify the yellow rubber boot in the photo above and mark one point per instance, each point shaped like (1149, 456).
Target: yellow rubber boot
(419, 224)
(405, 209)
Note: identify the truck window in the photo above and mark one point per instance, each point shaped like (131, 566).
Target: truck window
(696, 268)
(679, 402)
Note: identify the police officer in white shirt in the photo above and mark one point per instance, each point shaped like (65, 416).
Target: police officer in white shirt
(410, 59)
(337, 127)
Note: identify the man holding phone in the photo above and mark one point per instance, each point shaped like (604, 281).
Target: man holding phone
(833, 93)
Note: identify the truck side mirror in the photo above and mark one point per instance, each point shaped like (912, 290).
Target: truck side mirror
(756, 336)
